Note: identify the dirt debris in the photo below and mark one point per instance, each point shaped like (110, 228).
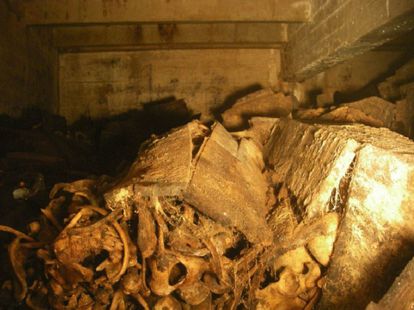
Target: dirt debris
(202, 220)
(185, 227)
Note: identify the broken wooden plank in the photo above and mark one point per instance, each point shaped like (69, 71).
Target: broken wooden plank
(223, 180)
(187, 35)
(259, 130)
(163, 168)
(220, 189)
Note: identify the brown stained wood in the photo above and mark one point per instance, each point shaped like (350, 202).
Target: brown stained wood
(219, 190)
(224, 139)
(163, 168)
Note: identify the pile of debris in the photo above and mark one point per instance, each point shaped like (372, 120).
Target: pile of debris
(206, 219)
(389, 103)
(193, 223)
(40, 149)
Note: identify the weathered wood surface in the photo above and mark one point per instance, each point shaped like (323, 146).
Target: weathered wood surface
(162, 168)
(220, 189)
(371, 111)
(223, 180)
(104, 84)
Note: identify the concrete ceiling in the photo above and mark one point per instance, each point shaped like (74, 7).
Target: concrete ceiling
(131, 11)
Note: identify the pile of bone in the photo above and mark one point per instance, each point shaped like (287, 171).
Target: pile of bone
(194, 224)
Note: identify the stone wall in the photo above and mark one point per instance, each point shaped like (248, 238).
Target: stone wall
(108, 83)
(12, 61)
(42, 63)
(27, 64)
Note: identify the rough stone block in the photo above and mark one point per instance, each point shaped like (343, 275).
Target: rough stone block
(261, 103)
(366, 174)
(228, 189)
(404, 112)
(372, 111)
(311, 160)
(401, 293)
(376, 231)
(377, 108)
(259, 130)
(390, 88)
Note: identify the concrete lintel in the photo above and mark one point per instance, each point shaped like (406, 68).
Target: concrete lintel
(113, 11)
(342, 30)
(152, 47)
(170, 35)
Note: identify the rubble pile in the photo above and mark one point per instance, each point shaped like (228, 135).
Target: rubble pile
(384, 102)
(282, 215)
(192, 224)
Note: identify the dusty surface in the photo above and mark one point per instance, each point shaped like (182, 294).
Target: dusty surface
(365, 174)
(202, 220)
(401, 293)
(105, 11)
(109, 83)
(261, 103)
